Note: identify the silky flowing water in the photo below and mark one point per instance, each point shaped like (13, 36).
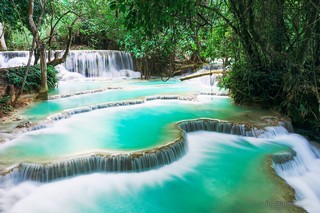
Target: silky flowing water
(131, 90)
(120, 128)
(217, 173)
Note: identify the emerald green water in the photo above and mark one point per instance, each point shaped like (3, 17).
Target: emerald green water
(206, 189)
(226, 180)
(91, 84)
(219, 173)
(114, 129)
(131, 90)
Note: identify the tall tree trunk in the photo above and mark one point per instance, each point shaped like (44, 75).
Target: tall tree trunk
(3, 45)
(244, 14)
(280, 31)
(43, 94)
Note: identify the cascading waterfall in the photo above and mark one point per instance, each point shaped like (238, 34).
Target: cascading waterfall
(214, 126)
(134, 161)
(70, 112)
(13, 58)
(234, 128)
(94, 63)
(301, 168)
(210, 81)
(131, 161)
(99, 63)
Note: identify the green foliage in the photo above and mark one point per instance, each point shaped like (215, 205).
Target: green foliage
(275, 45)
(33, 82)
(15, 13)
(99, 27)
(5, 107)
(59, 17)
(14, 16)
(154, 15)
(17, 42)
(161, 33)
(302, 96)
(260, 86)
(221, 43)
(278, 61)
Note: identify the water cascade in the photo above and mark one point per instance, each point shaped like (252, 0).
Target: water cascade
(52, 97)
(134, 161)
(13, 58)
(131, 161)
(235, 128)
(95, 63)
(300, 168)
(103, 63)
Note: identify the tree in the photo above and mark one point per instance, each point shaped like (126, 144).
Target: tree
(99, 28)
(33, 16)
(35, 28)
(162, 33)
(3, 45)
(276, 62)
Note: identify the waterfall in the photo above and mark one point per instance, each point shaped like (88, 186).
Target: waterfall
(170, 97)
(213, 126)
(89, 63)
(53, 97)
(233, 128)
(300, 169)
(98, 63)
(67, 113)
(121, 162)
(13, 58)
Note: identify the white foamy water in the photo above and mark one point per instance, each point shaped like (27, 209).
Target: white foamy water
(65, 75)
(2, 62)
(79, 64)
(208, 80)
(98, 63)
(65, 195)
(208, 83)
(121, 74)
(13, 58)
(303, 172)
(18, 61)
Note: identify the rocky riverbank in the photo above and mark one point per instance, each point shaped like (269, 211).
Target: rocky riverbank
(11, 120)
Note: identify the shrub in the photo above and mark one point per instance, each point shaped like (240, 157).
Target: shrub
(5, 107)
(15, 76)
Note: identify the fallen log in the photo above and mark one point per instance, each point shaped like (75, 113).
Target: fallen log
(196, 75)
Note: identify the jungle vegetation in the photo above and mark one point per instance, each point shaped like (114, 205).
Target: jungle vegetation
(272, 47)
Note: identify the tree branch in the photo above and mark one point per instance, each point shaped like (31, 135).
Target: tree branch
(215, 10)
(61, 60)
